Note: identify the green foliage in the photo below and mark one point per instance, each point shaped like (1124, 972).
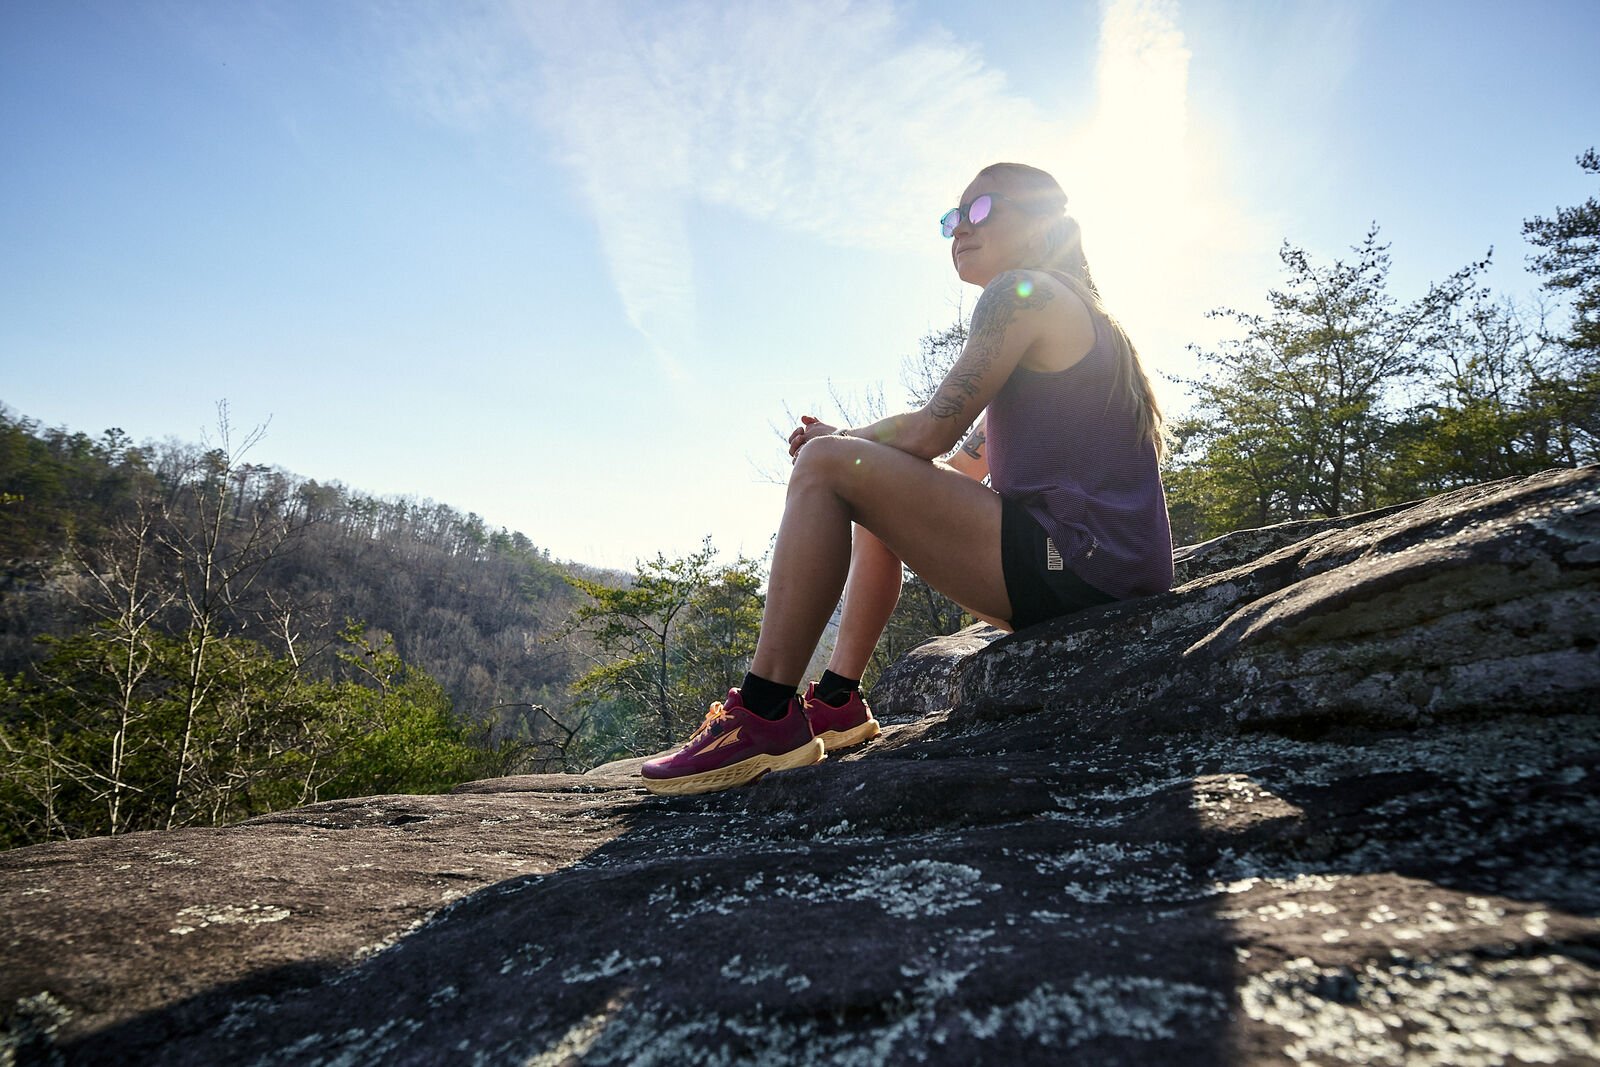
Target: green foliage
(1341, 398)
(471, 606)
(1486, 408)
(1300, 416)
(1570, 261)
(663, 646)
(719, 635)
(1218, 481)
(55, 482)
(391, 731)
(103, 739)
(1294, 417)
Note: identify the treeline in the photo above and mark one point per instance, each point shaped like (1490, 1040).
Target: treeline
(466, 603)
(1342, 397)
(189, 638)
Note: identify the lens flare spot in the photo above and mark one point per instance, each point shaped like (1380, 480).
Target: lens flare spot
(1024, 288)
(858, 461)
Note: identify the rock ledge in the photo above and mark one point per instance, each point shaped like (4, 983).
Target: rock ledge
(1332, 800)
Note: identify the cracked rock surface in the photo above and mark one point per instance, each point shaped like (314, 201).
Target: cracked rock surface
(1332, 800)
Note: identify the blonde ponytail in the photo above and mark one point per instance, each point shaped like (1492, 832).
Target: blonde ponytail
(1061, 250)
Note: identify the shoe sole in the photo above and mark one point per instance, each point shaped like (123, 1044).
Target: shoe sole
(834, 740)
(736, 774)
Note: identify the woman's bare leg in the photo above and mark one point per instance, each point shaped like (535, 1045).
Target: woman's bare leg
(944, 525)
(870, 595)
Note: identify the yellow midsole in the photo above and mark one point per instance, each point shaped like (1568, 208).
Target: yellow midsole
(837, 739)
(741, 773)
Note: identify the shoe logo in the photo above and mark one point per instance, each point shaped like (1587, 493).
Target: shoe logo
(726, 739)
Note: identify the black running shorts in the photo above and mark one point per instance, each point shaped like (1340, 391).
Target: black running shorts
(1037, 590)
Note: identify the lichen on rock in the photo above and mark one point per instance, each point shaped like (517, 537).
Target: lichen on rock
(1330, 800)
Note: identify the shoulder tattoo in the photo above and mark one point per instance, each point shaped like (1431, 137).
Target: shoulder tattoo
(996, 309)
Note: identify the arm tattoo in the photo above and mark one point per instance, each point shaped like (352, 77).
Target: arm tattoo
(993, 315)
(973, 446)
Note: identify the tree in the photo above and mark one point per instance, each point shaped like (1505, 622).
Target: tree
(937, 352)
(217, 547)
(1491, 405)
(1296, 416)
(1570, 261)
(389, 730)
(639, 636)
(719, 636)
(126, 594)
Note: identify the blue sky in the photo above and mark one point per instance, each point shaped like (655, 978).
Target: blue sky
(568, 265)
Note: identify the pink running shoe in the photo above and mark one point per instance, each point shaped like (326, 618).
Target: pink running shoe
(843, 726)
(735, 746)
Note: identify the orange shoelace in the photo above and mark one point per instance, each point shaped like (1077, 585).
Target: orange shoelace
(715, 713)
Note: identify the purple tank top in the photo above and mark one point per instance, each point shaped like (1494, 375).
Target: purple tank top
(1065, 445)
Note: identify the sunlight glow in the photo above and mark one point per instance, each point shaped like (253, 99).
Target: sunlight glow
(1135, 172)
(1160, 231)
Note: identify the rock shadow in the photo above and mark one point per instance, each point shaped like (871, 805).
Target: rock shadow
(944, 899)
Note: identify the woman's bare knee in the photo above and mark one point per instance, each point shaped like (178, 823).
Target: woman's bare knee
(824, 464)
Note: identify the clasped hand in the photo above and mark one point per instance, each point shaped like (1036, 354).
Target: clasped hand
(808, 429)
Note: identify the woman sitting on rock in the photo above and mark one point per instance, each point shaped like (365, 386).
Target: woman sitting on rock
(1073, 516)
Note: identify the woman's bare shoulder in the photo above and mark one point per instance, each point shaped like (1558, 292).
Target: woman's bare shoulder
(1067, 333)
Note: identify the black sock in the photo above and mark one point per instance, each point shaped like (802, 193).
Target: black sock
(835, 689)
(770, 700)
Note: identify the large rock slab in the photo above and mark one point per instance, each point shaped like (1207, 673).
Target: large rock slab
(1461, 605)
(1057, 853)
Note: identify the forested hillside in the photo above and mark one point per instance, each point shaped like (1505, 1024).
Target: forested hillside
(467, 604)
(187, 637)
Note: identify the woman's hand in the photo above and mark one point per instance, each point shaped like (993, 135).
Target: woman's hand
(809, 428)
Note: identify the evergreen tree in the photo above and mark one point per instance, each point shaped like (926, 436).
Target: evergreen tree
(1570, 261)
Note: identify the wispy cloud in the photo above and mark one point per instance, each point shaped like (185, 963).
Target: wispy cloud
(777, 111)
(800, 115)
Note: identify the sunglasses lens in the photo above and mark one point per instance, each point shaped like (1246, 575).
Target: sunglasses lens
(978, 210)
(949, 221)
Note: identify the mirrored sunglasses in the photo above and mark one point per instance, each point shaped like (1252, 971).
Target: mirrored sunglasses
(976, 212)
